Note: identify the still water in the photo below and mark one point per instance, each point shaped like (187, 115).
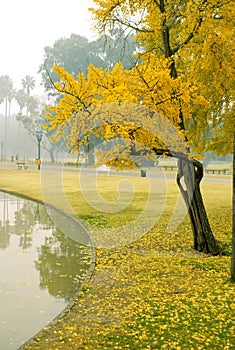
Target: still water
(41, 269)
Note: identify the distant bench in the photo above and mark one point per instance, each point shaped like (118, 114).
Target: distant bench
(168, 167)
(22, 165)
(207, 171)
(216, 171)
(103, 168)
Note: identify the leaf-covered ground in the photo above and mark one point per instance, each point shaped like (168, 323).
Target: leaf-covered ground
(153, 293)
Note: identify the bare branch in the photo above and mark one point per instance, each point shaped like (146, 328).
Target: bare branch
(132, 25)
(190, 36)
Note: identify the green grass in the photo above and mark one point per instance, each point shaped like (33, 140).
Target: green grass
(153, 293)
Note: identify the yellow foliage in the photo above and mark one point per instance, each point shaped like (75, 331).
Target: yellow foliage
(199, 38)
(108, 103)
(185, 75)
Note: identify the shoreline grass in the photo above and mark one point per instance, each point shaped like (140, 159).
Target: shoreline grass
(153, 293)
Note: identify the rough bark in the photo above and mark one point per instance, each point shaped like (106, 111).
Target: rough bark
(190, 174)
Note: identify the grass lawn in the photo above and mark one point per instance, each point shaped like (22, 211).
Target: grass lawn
(154, 292)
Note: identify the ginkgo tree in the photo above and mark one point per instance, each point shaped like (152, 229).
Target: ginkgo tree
(181, 88)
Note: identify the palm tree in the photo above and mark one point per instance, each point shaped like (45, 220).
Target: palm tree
(21, 99)
(6, 95)
(28, 84)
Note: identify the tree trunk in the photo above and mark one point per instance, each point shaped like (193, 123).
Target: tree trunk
(233, 218)
(51, 152)
(190, 174)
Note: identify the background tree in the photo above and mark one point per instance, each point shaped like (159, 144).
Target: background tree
(117, 46)
(28, 83)
(75, 53)
(21, 99)
(32, 117)
(7, 93)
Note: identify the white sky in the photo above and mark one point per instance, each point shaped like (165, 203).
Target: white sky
(27, 26)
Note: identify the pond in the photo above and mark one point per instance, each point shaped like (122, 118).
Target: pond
(41, 268)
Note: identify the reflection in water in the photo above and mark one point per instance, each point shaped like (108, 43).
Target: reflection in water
(61, 265)
(41, 269)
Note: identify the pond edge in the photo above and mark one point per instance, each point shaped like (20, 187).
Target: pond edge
(71, 304)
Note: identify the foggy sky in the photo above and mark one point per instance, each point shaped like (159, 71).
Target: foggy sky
(27, 26)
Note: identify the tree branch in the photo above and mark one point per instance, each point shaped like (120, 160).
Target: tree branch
(63, 91)
(157, 3)
(133, 26)
(190, 36)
